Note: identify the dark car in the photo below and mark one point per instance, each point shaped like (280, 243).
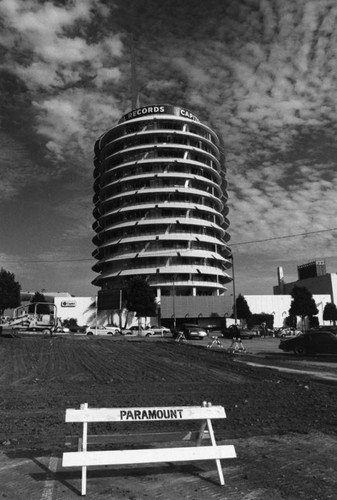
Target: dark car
(311, 342)
(192, 332)
(325, 328)
(234, 331)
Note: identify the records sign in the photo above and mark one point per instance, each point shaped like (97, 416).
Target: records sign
(159, 109)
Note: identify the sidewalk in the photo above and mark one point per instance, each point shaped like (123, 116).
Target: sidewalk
(265, 353)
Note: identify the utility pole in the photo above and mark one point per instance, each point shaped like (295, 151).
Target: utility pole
(174, 303)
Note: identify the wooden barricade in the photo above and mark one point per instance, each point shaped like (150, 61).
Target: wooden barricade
(205, 413)
(215, 343)
(236, 345)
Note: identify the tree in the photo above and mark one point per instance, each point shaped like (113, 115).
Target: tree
(257, 319)
(71, 323)
(302, 303)
(41, 308)
(290, 321)
(242, 308)
(140, 298)
(9, 291)
(330, 313)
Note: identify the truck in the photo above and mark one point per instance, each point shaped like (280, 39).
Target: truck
(35, 317)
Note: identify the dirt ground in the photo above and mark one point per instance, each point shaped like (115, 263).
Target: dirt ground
(283, 425)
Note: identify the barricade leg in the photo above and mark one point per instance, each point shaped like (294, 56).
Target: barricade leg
(217, 460)
(84, 448)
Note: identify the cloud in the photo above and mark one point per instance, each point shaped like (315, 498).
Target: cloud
(262, 73)
(46, 49)
(54, 52)
(65, 119)
(15, 162)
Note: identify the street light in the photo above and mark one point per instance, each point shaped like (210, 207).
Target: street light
(234, 296)
(174, 303)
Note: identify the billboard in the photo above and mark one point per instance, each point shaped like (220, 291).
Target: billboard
(108, 300)
(68, 303)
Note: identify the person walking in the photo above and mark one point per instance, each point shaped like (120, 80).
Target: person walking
(263, 330)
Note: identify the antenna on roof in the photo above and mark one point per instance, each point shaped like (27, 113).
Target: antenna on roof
(134, 86)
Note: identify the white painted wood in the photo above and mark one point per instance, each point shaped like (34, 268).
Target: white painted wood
(84, 458)
(84, 407)
(201, 432)
(217, 461)
(145, 414)
(124, 457)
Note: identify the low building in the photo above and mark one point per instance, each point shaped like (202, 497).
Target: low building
(279, 305)
(83, 309)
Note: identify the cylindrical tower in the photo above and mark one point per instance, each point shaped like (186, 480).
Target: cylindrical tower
(160, 204)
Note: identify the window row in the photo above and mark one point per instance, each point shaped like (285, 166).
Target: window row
(157, 183)
(155, 229)
(158, 214)
(159, 138)
(172, 281)
(157, 168)
(153, 246)
(154, 124)
(147, 154)
(157, 262)
(155, 198)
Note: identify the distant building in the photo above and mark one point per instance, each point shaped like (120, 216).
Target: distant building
(26, 297)
(312, 276)
(311, 269)
(160, 209)
(82, 309)
(279, 305)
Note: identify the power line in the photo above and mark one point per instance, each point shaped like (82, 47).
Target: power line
(43, 261)
(231, 245)
(284, 237)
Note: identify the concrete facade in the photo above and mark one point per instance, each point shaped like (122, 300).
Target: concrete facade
(161, 205)
(278, 306)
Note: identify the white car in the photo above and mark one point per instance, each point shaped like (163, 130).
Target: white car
(158, 330)
(102, 330)
(140, 331)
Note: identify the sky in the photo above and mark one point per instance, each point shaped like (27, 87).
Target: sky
(261, 72)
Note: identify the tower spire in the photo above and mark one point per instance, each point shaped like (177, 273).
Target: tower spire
(134, 84)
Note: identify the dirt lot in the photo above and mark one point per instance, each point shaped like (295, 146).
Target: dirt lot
(284, 426)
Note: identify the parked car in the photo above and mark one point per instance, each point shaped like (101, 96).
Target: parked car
(233, 331)
(139, 331)
(249, 334)
(158, 330)
(126, 331)
(62, 329)
(287, 332)
(311, 342)
(193, 332)
(102, 330)
(329, 328)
